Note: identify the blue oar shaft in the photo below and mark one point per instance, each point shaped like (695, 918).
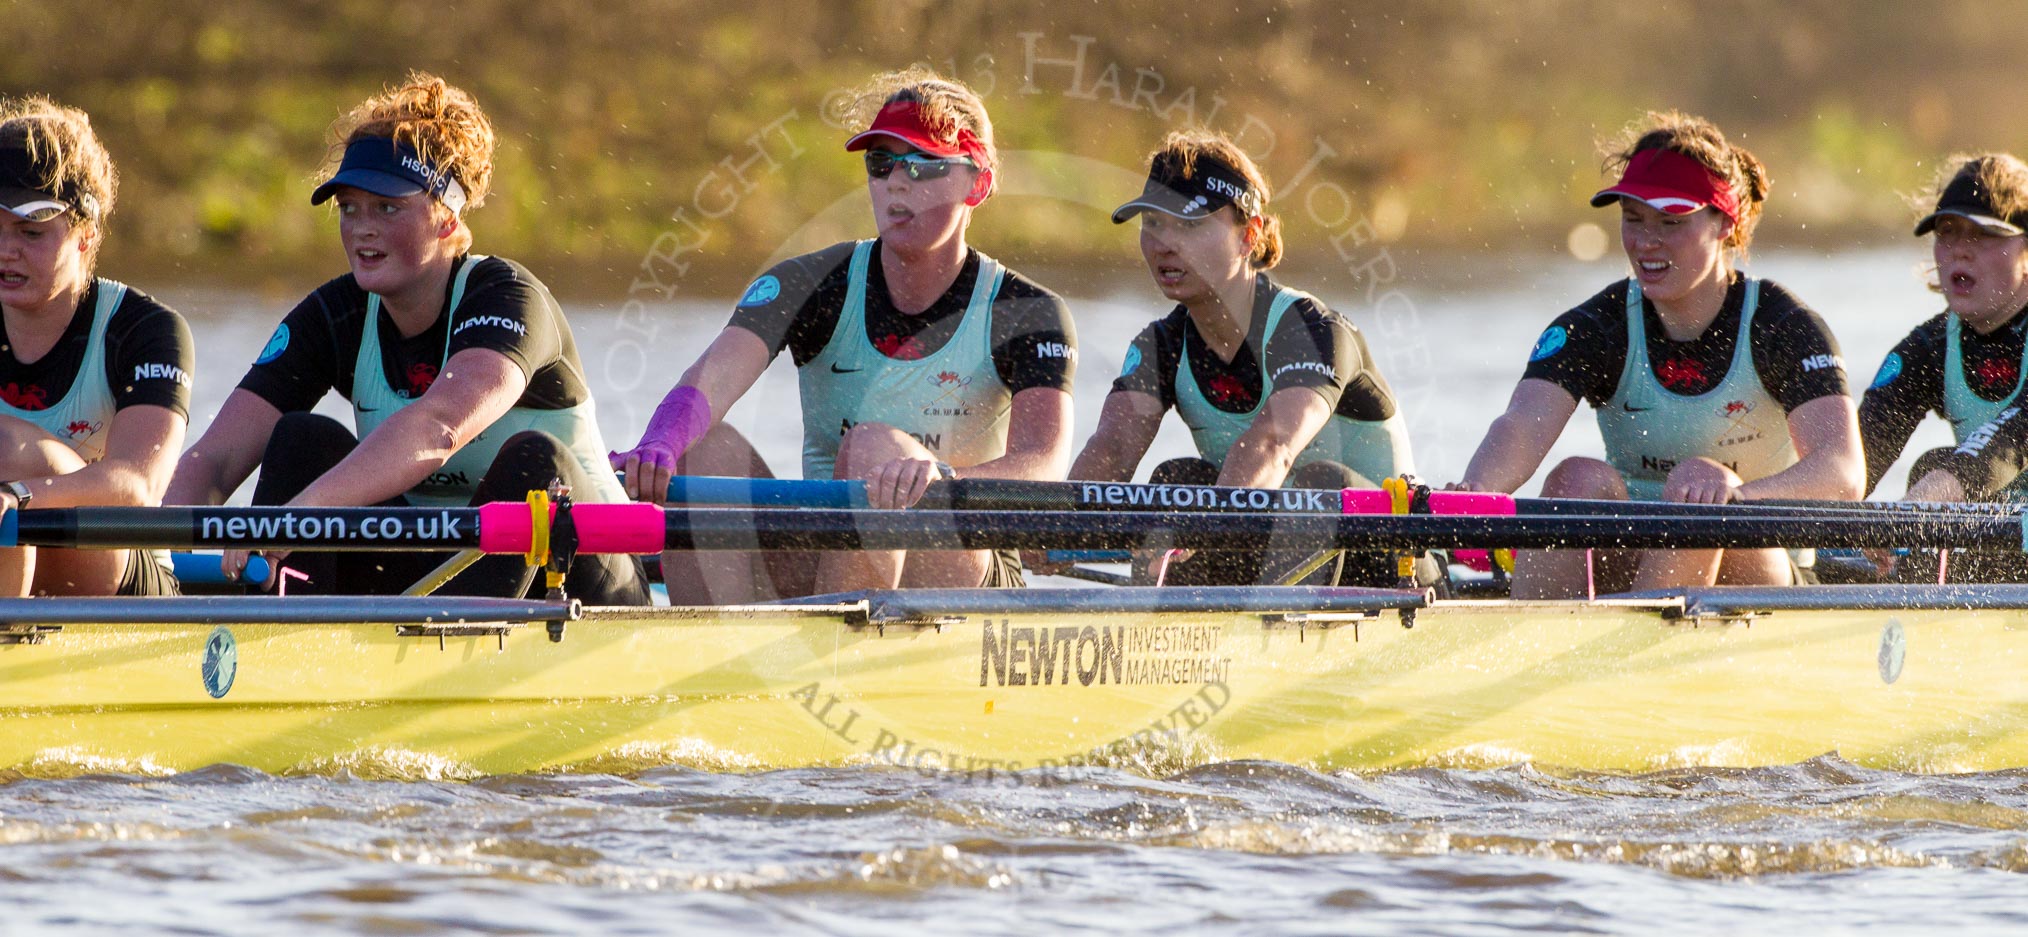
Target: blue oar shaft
(203, 569)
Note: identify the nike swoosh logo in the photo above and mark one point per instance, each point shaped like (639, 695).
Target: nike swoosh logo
(835, 369)
(369, 409)
(1633, 409)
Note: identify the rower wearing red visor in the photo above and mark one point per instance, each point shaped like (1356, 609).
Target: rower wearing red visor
(1710, 386)
(918, 358)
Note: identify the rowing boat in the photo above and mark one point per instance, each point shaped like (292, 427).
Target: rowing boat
(993, 682)
(1011, 686)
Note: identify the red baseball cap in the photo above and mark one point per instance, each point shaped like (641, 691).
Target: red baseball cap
(902, 120)
(1671, 182)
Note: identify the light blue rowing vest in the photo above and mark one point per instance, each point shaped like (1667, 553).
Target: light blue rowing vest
(952, 400)
(1648, 429)
(84, 414)
(454, 483)
(1376, 449)
(1965, 409)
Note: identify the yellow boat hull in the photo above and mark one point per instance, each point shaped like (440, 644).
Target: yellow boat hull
(1575, 685)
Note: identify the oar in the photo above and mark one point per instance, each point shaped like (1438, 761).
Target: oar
(992, 494)
(643, 528)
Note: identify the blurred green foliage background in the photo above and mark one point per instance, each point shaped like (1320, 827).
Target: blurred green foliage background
(1470, 125)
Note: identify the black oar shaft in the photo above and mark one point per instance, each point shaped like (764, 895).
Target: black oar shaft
(918, 529)
(981, 530)
(249, 528)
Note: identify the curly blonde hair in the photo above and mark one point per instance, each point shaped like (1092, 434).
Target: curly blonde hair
(74, 165)
(1702, 141)
(441, 121)
(946, 106)
(1181, 148)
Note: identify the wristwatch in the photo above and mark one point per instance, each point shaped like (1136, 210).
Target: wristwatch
(21, 492)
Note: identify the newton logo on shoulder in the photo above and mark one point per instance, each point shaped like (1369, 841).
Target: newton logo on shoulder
(277, 343)
(1889, 370)
(762, 292)
(1550, 343)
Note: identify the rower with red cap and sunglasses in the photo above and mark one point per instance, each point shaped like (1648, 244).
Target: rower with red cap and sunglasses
(918, 358)
(462, 373)
(1710, 386)
(94, 375)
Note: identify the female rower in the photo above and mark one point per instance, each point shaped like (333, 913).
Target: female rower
(1710, 386)
(463, 375)
(1966, 363)
(1277, 389)
(94, 375)
(918, 358)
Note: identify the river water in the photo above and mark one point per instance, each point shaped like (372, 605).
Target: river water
(1819, 847)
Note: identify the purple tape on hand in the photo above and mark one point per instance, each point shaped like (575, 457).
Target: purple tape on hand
(682, 418)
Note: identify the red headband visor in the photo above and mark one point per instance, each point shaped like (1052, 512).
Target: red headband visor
(902, 120)
(1673, 183)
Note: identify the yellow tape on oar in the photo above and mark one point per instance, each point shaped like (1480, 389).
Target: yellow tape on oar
(538, 539)
(1400, 497)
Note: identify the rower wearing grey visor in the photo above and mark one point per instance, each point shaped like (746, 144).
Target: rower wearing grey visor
(94, 375)
(463, 375)
(1276, 388)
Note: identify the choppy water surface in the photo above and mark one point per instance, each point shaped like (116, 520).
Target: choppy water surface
(1819, 847)
(1823, 846)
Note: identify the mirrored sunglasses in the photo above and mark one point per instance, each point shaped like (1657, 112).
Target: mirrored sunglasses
(919, 166)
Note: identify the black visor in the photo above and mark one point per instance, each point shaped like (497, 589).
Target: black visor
(1213, 186)
(22, 194)
(1967, 198)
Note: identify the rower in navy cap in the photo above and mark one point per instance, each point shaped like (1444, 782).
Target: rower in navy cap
(463, 375)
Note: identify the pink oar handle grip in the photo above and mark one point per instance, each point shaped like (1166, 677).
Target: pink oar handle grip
(506, 527)
(1372, 501)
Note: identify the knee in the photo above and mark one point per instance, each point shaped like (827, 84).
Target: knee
(28, 449)
(1580, 477)
(1188, 470)
(531, 445)
(1328, 475)
(300, 432)
(866, 445)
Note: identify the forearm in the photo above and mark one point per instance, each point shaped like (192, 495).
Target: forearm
(1500, 464)
(1048, 464)
(1827, 475)
(201, 478)
(1100, 462)
(111, 482)
(1258, 463)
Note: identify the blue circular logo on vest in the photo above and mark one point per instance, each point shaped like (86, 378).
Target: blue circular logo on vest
(1133, 361)
(221, 662)
(1889, 370)
(1550, 343)
(277, 343)
(762, 291)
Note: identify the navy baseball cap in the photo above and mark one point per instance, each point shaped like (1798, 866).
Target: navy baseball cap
(1212, 186)
(1967, 198)
(388, 168)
